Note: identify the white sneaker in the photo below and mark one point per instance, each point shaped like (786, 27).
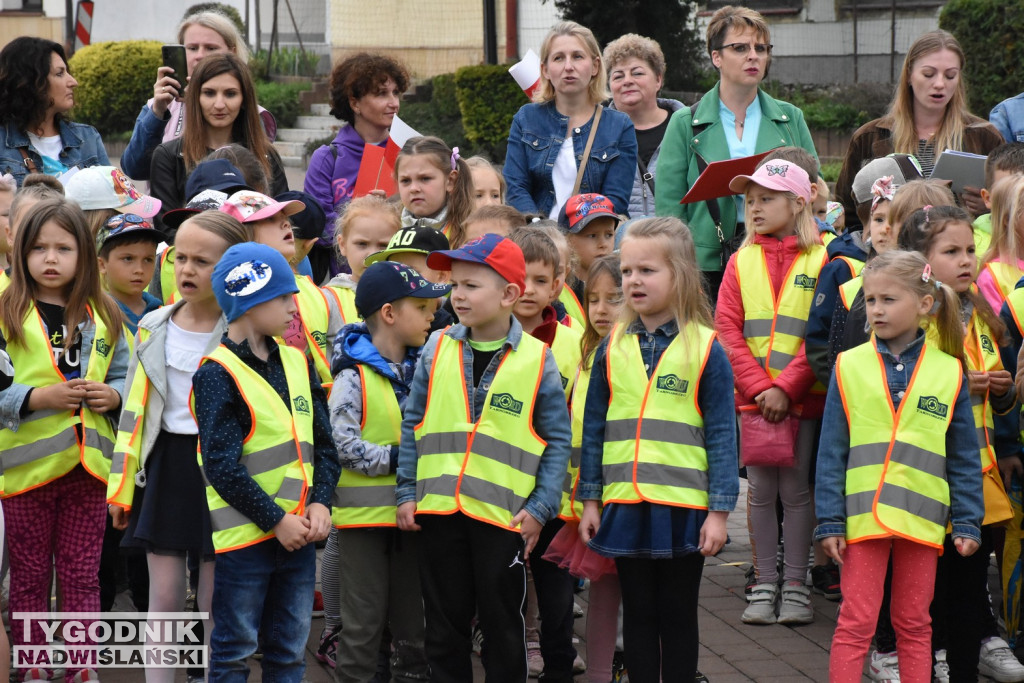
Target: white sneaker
(940, 667)
(578, 665)
(884, 667)
(761, 607)
(795, 605)
(534, 660)
(999, 663)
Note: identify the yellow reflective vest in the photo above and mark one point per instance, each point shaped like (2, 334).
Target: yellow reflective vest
(127, 458)
(896, 471)
(572, 305)
(572, 509)
(1004, 277)
(314, 311)
(848, 291)
(654, 434)
(278, 451)
(855, 265)
(46, 445)
(774, 326)
(566, 349)
(168, 285)
(359, 500)
(484, 469)
(346, 300)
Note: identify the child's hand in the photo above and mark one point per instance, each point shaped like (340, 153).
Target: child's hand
(99, 397)
(407, 517)
(977, 382)
(529, 528)
(63, 396)
(319, 522)
(119, 516)
(291, 531)
(774, 404)
(999, 382)
(834, 547)
(713, 533)
(1010, 466)
(965, 546)
(590, 522)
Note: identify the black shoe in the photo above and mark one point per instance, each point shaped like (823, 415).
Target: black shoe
(619, 673)
(701, 678)
(825, 580)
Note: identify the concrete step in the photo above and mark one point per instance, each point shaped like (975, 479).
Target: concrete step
(292, 149)
(321, 110)
(293, 161)
(301, 134)
(318, 122)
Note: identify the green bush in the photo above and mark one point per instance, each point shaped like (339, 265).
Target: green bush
(444, 98)
(114, 80)
(287, 61)
(282, 100)
(830, 171)
(488, 99)
(990, 33)
(830, 115)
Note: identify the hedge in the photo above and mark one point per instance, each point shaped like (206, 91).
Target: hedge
(114, 80)
(282, 100)
(488, 99)
(990, 33)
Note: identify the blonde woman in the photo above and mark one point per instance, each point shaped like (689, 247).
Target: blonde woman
(549, 135)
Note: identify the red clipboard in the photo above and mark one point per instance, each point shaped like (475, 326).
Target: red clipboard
(375, 173)
(714, 181)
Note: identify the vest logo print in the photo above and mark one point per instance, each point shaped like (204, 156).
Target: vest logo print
(932, 406)
(301, 405)
(102, 347)
(320, 339)
(565, 380)
(986, 344)
(507, 403)
(673, 384)
(804, 281)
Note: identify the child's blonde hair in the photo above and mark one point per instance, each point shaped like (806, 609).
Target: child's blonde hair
(95, 218)
(674, 241)
(806, 229)
(915, 195)
(597, 91)
(603, 265)
(551, 229)
(480, 162)
(908, 268)
(1007, 220)
(367, 205)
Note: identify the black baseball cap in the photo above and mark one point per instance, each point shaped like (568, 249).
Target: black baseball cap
(415, 239)
(309, 223)
(388, 281)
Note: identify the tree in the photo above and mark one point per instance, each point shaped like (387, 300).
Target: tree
(670, 22)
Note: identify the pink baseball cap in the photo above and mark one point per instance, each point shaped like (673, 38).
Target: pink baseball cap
(249, 206)
(783, 176)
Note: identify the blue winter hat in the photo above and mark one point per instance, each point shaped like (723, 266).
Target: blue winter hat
(248, 275)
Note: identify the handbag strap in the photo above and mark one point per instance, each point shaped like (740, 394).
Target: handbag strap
(29, 163)
(586, 151)
(645, 176)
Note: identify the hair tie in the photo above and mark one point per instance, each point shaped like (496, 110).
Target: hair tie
(882, 189)
(926, 274)
(455, 158)
(8, 180)
(926, 208)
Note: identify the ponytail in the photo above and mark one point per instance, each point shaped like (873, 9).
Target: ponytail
(948, 323)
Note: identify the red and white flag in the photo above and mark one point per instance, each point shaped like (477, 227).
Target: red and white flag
(527, 72)
(399, 135)
(377, 168)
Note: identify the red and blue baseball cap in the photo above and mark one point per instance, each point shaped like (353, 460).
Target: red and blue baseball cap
(581, 209)
(500, 253)
(388, 281)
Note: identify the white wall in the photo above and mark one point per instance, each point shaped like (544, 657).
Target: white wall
(535, 20)
(138, 19)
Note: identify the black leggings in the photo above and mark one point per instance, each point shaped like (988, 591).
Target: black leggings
(659, 617)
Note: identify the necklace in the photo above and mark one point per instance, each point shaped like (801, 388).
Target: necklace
(739, 123)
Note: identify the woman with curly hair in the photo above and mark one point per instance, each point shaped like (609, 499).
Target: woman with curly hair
(36, 91)
(365, 93)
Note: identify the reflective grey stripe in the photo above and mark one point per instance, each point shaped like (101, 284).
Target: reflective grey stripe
(757, 328)
(364, 496)
(290, 489)
(93, 439)
(226, 518)
(575, 455)
(650, 473)
(620, 430)
(983, 432)
(859, 503)
(494, 494)
(779, 360)
(442, 442)
(671, 432)
(506, 454)
(795, 327)
(760, 361)
(920, 459)
(866, 455)
(914, 503)
(269, 459)
(976, 400)
(117, 463)
(567, 483)
(37, 450)
(41, 414)
(443, 485)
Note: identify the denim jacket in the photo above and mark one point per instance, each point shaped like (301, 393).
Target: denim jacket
(82, 148)
(550, 419)
(537, 134)
(719, 418)
(1008, 118)
(963, 469)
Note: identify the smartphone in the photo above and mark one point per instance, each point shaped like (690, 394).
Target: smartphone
(174, 57)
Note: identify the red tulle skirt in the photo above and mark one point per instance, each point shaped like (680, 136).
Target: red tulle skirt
(568, 551)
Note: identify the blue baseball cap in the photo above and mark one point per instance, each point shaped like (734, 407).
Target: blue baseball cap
(310, 222)
(387, 281)
(215, 174)
(248, 275)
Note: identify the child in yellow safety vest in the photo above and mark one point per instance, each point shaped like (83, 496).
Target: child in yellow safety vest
(67, 345)
(962, 618)
(378, 571)
(588, 222)
(659, 449)
(271, 466)
(897, 462)
(483, 456)
(1003, 260)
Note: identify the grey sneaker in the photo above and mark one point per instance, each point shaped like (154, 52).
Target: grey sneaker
(940, 668)
(999, 663)
(795, 606)
(761, 607)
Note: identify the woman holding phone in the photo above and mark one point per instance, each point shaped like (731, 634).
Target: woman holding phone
(220, 107)
(163, 118)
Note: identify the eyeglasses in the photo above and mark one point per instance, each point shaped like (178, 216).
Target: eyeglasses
(125, 221)
(744, 48)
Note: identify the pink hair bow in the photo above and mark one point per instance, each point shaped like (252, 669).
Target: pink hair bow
(882, 189)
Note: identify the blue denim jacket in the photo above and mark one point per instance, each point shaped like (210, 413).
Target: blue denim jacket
(82, 148)
(550, 420)
(963, 469)
(1008, 118)
(537, 133)
(719, 417)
